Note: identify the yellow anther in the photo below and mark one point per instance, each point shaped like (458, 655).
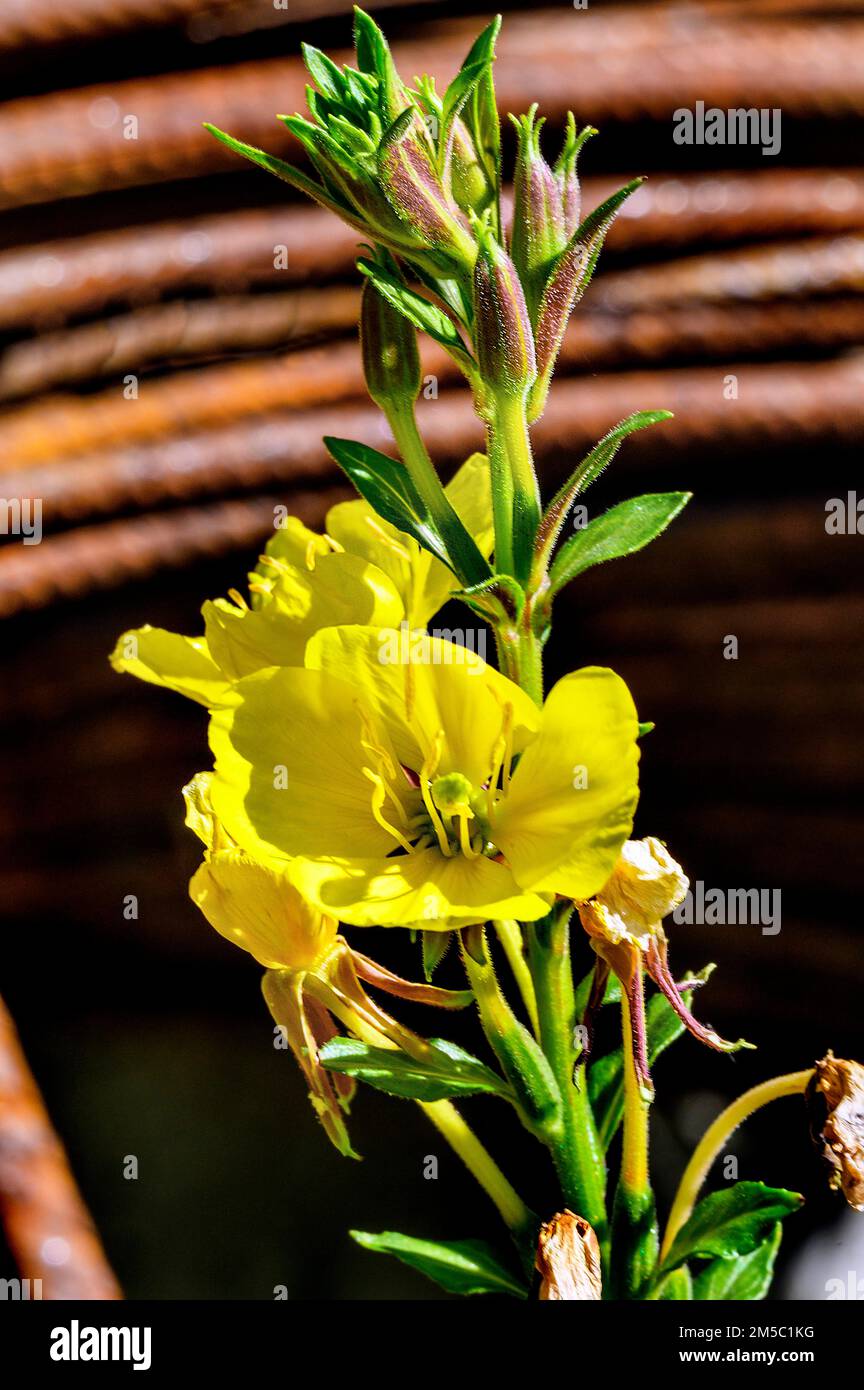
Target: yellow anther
(238, 598)
(502, 757)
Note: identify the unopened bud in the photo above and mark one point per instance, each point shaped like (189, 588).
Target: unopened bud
(504, 341)
(388, 342)
(538, 215)
(568, 1258)
(835, 1098)
(566, 176)
(472, 190)
(410, 180)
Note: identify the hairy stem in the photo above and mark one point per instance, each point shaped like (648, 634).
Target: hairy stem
(715, 1136)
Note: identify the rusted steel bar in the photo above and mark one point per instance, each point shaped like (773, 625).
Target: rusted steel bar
(54, 281)
(594, 338)
(76, 142)
(97, 557)
(171, 332)
(824, 265)
(47, 1226)
(212, 395)
(794, 402)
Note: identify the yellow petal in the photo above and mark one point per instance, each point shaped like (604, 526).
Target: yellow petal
(183, 664)
(340, 589)
(570, 805)
(415, 685)
(256, 906)
(200, 815)
(289, 768)
(422, 890)
(292, 543)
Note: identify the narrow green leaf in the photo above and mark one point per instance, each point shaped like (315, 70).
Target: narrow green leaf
(747, 1277)
(324, 72)
(459, 1266)
(448, 1070)
(621, 531)
(417, 310)
(677, 1287)
(387, 486)
(498, 599)
(287, 172)
(612, 994)
(600, 219)
(733, 1222)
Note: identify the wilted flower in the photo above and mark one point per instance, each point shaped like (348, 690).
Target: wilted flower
(313, 975)
(624, 922)
(835, 1098)
(568, 1259)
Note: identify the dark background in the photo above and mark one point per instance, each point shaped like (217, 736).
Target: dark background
(150, 1037)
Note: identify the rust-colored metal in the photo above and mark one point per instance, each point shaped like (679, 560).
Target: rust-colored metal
(135, 132)
(798, 402)
(823, 265)
(98, 557)
(49, 283)
(594, 338)
(172, 332)
(47, 1226)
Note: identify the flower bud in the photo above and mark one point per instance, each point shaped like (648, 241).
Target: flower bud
(538, 234)
(566, 177)
(410, 181)
(568, 1258)
(504, 342)
(472, 190)
(391, 362)
(835, 1098)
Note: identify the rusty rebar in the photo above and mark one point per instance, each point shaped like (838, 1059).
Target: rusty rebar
(134, 132)
(97, 557)
(729, 404)
(58, 280)
(48, 1228)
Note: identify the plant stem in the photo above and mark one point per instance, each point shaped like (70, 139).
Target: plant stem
(634, 1215)
(510, 447)
(510, 935)
(578, 1155)
(464, 1142)
(415, 456)
(715, 1136)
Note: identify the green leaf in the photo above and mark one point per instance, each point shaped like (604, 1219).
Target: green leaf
(434, 945)
(417, 310)
(747, 1277)
(677, 1287)
(500, 599)
(731, 1223)
(606, 1075)
(324, 72)
(448, 1071)
(481, 113)
(621, 531)
(387, 486)
(612, 994)
(459, 1266)
(646, 726)
(287, 172)
(455, 98)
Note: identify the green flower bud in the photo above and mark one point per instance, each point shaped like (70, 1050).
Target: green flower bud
(538, 235)
(504, 342)
(472, 190)
(409, 179)
(388, 343)
(566, 177)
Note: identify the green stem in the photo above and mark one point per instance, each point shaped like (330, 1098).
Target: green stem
(634, 1216)
(578, 1154)
(510, 448)
(509, 933)
(461, 545)
(464, 1142)
(715, 1136)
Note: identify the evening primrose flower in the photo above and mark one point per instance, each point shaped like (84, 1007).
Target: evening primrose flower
(362, 570)
(625, 923)
(313, 976)
(424, 788)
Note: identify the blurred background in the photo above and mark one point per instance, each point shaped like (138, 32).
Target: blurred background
(163, 384)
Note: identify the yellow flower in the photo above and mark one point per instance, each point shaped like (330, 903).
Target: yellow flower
(361, 571)
(313, 975)
(422, 787)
